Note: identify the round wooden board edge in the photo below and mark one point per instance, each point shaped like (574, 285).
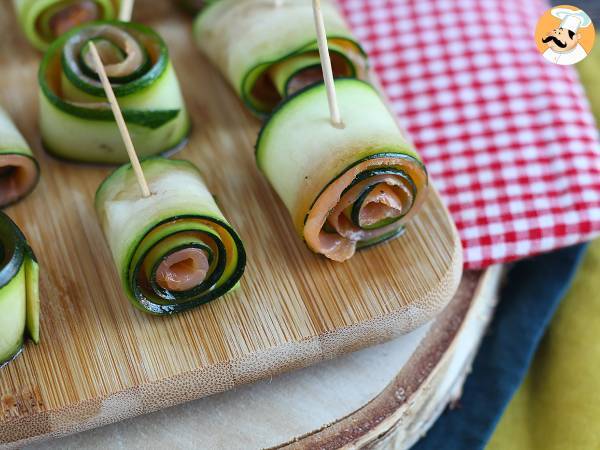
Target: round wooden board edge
(386, 420)
(37, 424)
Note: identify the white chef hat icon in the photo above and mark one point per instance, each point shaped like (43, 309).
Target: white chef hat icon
(572, 19)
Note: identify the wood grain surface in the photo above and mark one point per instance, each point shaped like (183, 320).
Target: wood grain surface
(101, 361)
(382, 397)
(427, 383)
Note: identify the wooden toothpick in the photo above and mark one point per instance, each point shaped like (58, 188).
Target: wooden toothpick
(114, 105)
(126, 10)
(334, 109)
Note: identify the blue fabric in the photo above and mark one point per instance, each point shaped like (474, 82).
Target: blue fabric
(528, 300)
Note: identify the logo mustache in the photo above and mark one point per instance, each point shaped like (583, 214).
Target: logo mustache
(555, 40)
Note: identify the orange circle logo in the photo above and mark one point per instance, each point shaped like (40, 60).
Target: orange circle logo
(565, 35)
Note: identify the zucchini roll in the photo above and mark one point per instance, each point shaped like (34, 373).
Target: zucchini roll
(346, 188)
(268, 52)
(19, 171)
(75, 118)
(173, 250)
(19, 291)
(45, 20)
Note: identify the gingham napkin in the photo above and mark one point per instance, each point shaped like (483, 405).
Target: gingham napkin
(508, 138)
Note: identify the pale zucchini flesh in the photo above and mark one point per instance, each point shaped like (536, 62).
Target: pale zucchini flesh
(19, 291)
(32, 277)
(12, 316)
(180, 214)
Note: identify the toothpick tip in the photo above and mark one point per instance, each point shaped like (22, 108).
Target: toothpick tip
(114, 105)
(328, 77)
(338, 124)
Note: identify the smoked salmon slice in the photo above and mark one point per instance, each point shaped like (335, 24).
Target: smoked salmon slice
(19, 170)
(183, 270)
(389, 201)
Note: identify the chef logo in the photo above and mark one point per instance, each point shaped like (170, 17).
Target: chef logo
(565, 35)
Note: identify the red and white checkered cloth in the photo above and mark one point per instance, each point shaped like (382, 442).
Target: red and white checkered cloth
(508, 138)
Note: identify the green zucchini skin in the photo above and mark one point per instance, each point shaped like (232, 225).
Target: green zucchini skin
(17, 281)
(31, 12)
(314, 166)
(140, 233)
(22, 171)
(76, 121)
(227, 32)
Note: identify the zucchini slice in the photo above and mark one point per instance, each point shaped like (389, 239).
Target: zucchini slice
(268, 52)
(345, 188)
(32, 289)
(75, 118)
(173, 250)
(19, 170)
(19, 298)
(45, 20)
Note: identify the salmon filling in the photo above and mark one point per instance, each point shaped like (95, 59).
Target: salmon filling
(363, 205)
(299, 72)
(183, 270)
(18, 176)
(71, 16)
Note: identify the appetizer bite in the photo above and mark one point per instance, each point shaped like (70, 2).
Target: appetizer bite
(19, 291)
(75, 118)
(174, 250)
(268, 51)
(45, 20)
(349, 187)
(19, 170)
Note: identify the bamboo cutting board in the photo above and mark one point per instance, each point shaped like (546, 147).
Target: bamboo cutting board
(382, 397)
(101, 361)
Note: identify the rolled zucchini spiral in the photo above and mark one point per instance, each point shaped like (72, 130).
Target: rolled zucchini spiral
(345, 188)
(19, 170)
(19, 293)
(75, 118)
(174, 250)
(268, 52)
(45, 20)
